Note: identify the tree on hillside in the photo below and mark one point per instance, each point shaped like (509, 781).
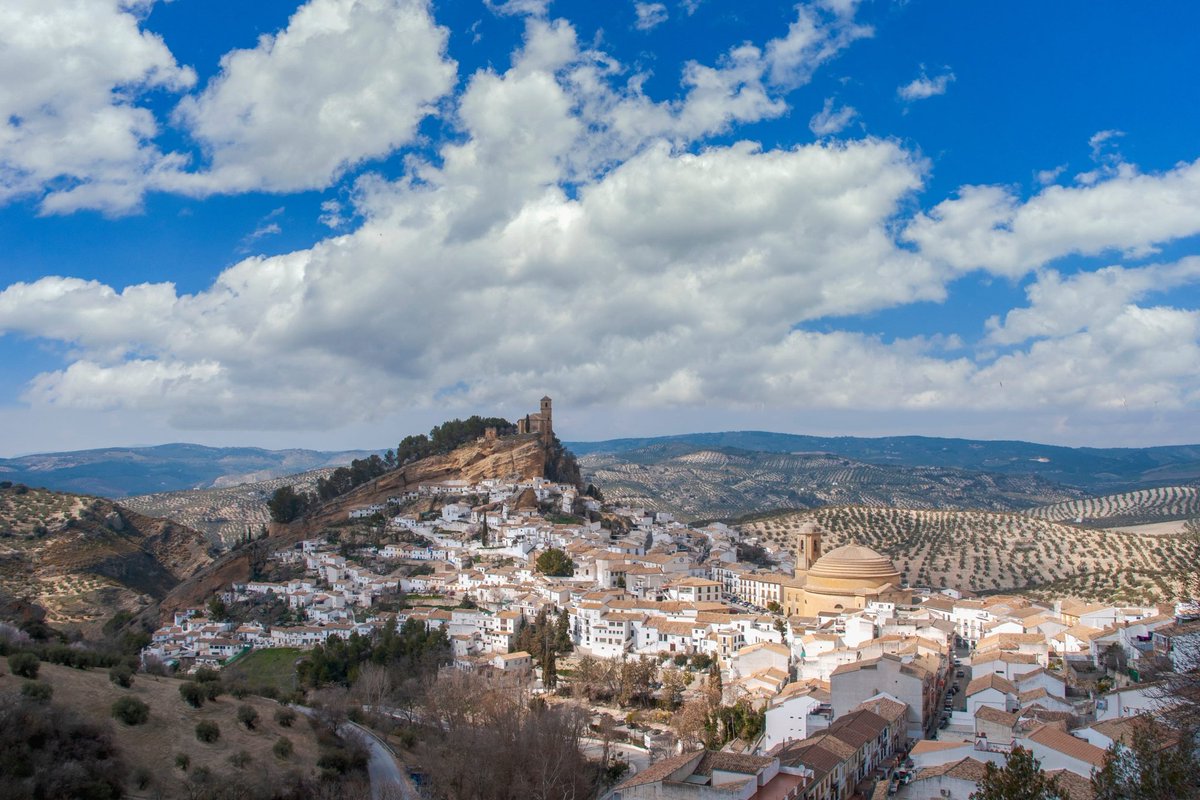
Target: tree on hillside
(1178, 676)
(562, 633)
(1148, 767)
(555, 563)
(561, 466)
(287, 505)
(446, 437)
(1020, 779)
(47, 750)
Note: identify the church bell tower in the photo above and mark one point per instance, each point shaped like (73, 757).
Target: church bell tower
(808, 547)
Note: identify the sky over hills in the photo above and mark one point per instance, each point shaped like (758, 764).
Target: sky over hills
(324, 224)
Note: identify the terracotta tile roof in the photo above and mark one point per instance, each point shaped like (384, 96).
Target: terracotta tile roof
(967, 769)
(858, 727)
(1076, 786)
(742, 763)
(1005, 658)
(1006, 641)
(661, 770)
(1068, 745)
(939, 603)
(1122, 728)
(995, 715)
(774, 647)
(1029, 697)
(936, 746)
(822, 754)
(889, 710)
(854, 666)
(990, 681)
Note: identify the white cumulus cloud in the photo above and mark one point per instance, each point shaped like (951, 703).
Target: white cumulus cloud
(290, 115)
(989, 227)
(72, 132)
(831, 120)
(578, 236)
(923, 87)
(649, 15)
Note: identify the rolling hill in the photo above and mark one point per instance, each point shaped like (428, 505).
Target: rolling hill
(149, 751)
(1093, 470)
(710, 482)
(226, 514)
(1128, 509)
(996, 552)
(82, 559)
(123, 471)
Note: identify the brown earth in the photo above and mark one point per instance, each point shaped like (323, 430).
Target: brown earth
(171, 729)
(83, 559)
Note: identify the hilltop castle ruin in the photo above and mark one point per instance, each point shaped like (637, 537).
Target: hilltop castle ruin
(540, 423)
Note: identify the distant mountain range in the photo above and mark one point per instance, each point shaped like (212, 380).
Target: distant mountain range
(1094, 470)
(725, 474)
(123, 471)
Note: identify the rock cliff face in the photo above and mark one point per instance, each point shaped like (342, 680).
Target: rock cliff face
(82, 559)
(509, 457)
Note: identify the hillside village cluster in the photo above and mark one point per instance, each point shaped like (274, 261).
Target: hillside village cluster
(868, 686)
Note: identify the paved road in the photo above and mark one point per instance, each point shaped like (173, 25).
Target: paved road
(382, 768)
(637, 757)
(387, 779)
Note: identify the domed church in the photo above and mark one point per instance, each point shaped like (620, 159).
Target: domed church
(842, 580)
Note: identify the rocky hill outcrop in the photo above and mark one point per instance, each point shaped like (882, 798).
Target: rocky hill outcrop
(508, 457)
(519, 457)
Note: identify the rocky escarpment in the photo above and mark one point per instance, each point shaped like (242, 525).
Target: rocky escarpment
(518, 458)
(504, 458)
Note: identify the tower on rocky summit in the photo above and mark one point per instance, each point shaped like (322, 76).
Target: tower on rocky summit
(547, 421)
(541, 423)
(808, 546)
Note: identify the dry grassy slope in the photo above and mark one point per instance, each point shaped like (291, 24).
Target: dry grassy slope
(988, 552)
(520, 457)
(225, 514)
(83, 559)
(171, 728)
(709, 483)
(1160, 504)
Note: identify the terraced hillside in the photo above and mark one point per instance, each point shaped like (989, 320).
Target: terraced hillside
(702, 483)
(1162, 504)
(82, 559)
(224, 515)
(990, 552)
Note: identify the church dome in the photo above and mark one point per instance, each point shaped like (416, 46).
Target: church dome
(855, 562)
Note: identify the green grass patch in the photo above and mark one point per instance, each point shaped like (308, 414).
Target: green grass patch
(274, 667)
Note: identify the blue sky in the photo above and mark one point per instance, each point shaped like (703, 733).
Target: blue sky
(333, 223)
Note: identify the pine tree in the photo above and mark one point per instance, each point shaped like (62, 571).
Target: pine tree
(1020, 779)
(1147, 767)
(563, 642)
(549, 659)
